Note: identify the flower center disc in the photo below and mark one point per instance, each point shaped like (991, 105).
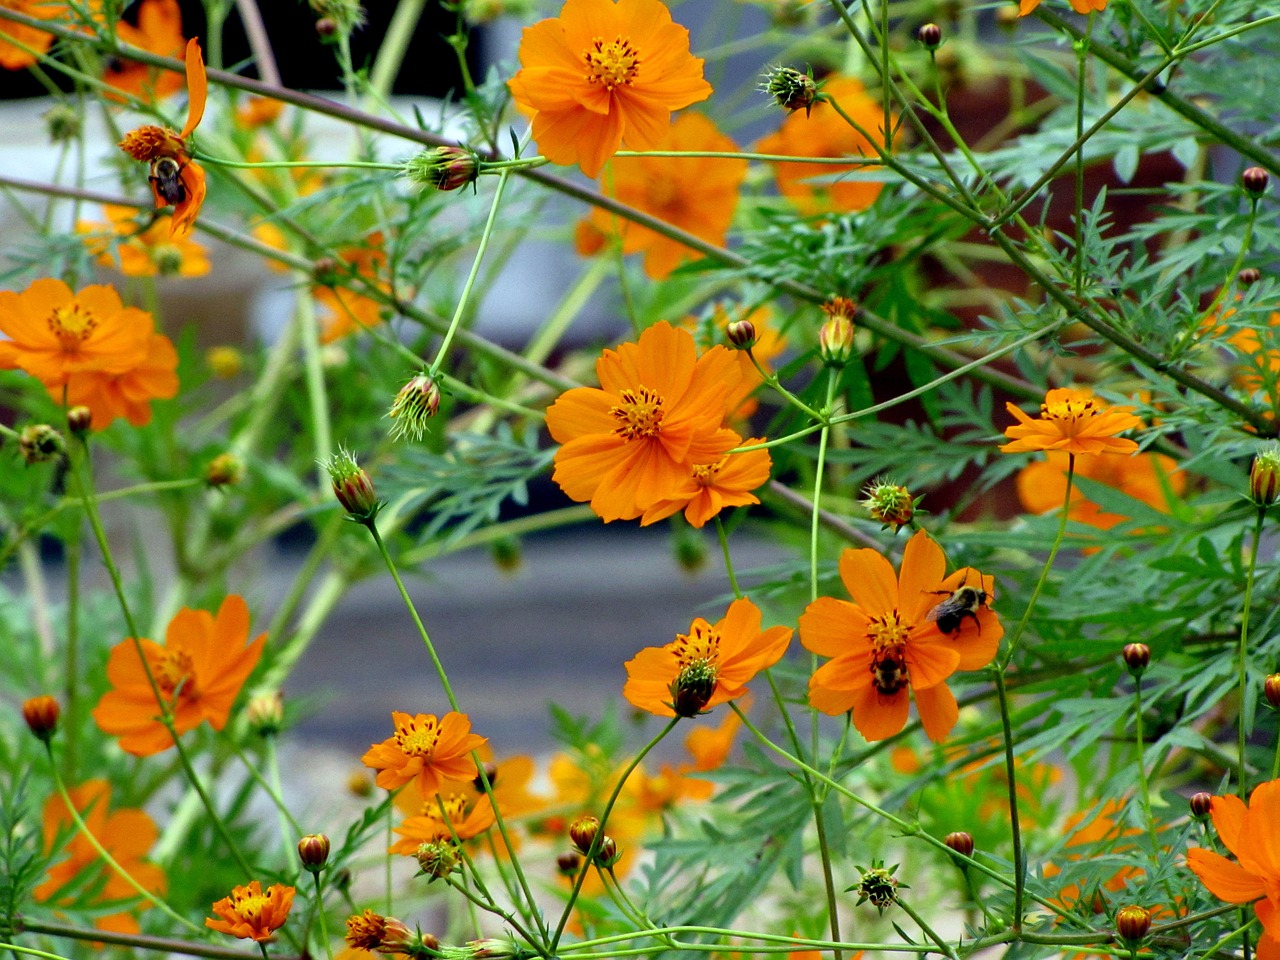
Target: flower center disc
(639, 415)
(886, 632)
(1067, 412)
(612, 64)
(72, 325)
(418, 741)
(174, 673)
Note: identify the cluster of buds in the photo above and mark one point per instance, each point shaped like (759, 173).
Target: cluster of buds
(41, 716)
(353, 488)
(790, 89)
(889, 504)
(313, 851)
(1264, 477)
(878, 884)
(443, 168)
(416, 403)
(835, 339)
(583, 834)
(692, 688)
(387, 935)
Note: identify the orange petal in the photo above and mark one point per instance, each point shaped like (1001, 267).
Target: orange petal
(938, 711)
(197, 87)
(870, 580)
(1225, 880)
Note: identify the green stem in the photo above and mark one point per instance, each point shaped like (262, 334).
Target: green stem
(1015, 820)
(1245, 709)
(71, 660)
(313, 365)
(1082, 50)
(929, 932)
(728, 561)
(828, 878)
(394, 46)
(1142, 765)
(321, 919)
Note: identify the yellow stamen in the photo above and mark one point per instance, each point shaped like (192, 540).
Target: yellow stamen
(418, 741)
(612, 64)
(72, 325)
(639, 415)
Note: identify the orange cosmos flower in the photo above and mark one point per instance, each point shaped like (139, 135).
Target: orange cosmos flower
(696, 194)
(425, 750)
(349, 310)
(710, 487)
(55, 334)
(126, 834)
(144, 249)
(200, 669)
(633, 443)
(603, 74)
(1074, 421)
(709, 665)
(1149, 477)
(1250, 834)
(1079, 6)
(885, 642)
(15, 57)
(175, 178)
(250, 914)
(821, 132)
(1104, 830)
(128, 394)
(159, 31)
(469, 816)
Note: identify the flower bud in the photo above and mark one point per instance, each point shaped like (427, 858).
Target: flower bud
(1007, 16)
(224, 470)
(692, 688)
(40, 443)
(742, 334)
(352, 487)
(416, 403)
(1201, 803)
(930, 36)
(346, 15)
(583, 833)
(960, 842)
(608, 854)
(1264, 477)
(790, 89)
(492, 948)
(1137, 656)
(568, 864)
(41, 714)
(265, 713)
(690, 549)
(1133, 923)
(437, 859)
(313, 851)
(835, 339)
(63, 123)
(1255, 181)
(326, 28)
(1271, 689)
(889, 504)
(359, 785)
(79, 420)
(1248, 276)
(224, 362)
(444, 168)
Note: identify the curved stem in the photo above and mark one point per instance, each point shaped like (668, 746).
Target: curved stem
(1243, 658)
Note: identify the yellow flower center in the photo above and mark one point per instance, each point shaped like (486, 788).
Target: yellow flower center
(639, 415)
(418, 741)
(887, 631)
(455, 808)
(250, 907)
(700, 644)
(72, 325)
(612, 64)
(174, 674)
(1067, 413)
(704, 474)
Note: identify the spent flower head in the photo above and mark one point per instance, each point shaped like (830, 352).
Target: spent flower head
(416, 403)
(790, 89)
(889, 504)
(352, 487)
(40, 443)
(878, 884)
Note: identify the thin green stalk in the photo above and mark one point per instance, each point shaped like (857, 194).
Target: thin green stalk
(1082, 51)
(1142, 764)
(71, 661)
(1015, 819)
(394, 46)
(728, 560)
(313, 366)
(771, 380)
(1242, 668)
(464, 300)
(929, 932)
(828, 878)
(320, 917)
(107, 858)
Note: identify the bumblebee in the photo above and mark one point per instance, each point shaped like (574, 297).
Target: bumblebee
(166, 176)
(889, 675)
(963, 602)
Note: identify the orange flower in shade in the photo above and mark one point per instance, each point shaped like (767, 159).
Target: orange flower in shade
(1079, 6)
(126, 834)
(603, 74)
(815, 188)
(884, 642)
(710, 487)
(159, 31)
(144, 249)
(1150, 477)
(15, 57)
(1074, 421)
(425, 750)
(348, 310)
(709, 747)
(175, 178)
(128, 394)
(1104, 831)
(251, 914)
(200, 669)
(696, 194)
(710, 665)
(634, 442)
(1250, 833)
(55, 334)
(258, 112)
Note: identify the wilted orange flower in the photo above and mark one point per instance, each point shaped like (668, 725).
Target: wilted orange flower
(56, 335)
(696, 194)
(175, 178)
(126, 834)
(250, 914)
(425, 750)
(710, 487)
(1072, 420)
(884, 642)
(1250, 834)
(128, 394)
(633, 442)
(159, 31)
(821, 132)
(711, 664)
(144, 249)
(349, 310)
(13, 56)
(603, 74)
(1149, 477)
(200, 669)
